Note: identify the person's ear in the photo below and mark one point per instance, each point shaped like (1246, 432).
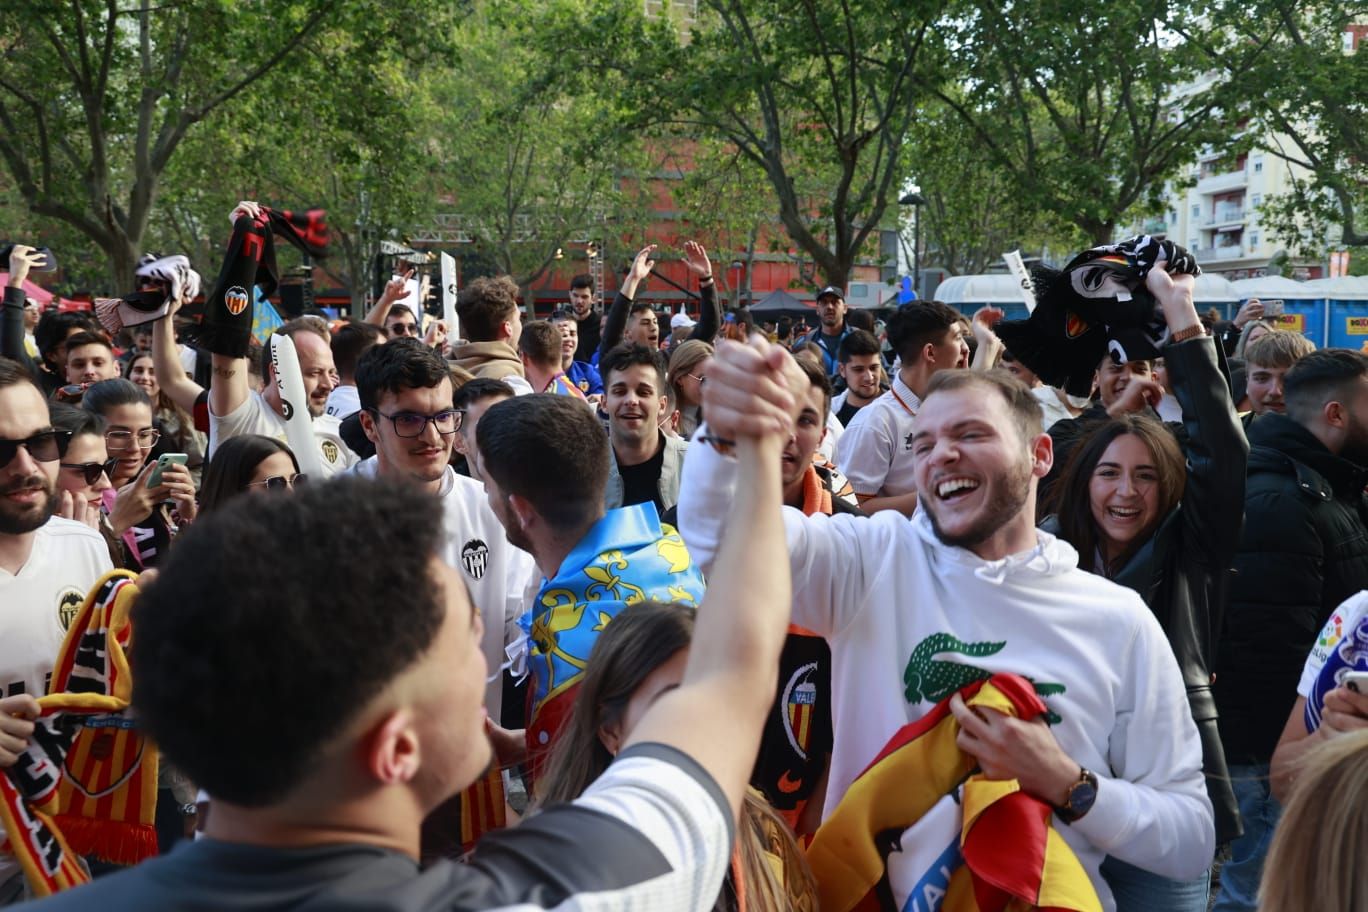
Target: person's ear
(610, 736)
(392, 753)
(928, 353)
(1336, 415)
(1042, 455)
(522, 508)
(368, 427)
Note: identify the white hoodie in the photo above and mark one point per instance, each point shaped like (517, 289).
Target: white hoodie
(910, 620)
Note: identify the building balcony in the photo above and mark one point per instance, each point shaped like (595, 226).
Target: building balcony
(1224, 217)
(1219, 183)
(1219, 254)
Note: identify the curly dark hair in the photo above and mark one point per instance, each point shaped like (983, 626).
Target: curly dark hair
(398, 365)
(249, 662)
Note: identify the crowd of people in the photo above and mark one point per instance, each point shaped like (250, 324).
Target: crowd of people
(585, 613)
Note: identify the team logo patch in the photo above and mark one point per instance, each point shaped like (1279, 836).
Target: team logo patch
(330, 451)
(235, 299)
(68, 606)
(475, 558)
(1075, 326)
(800, 699)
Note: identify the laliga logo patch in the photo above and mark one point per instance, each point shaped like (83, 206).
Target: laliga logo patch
(235, 299)
(475, 558)
(1075, 326)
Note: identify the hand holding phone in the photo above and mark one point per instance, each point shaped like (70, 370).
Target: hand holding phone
(1273, 308)
(164, 460)
(1357, 681)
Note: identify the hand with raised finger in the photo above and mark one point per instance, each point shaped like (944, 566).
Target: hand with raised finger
(1010, 748)
(396, 289)
(17, 713)
(748, 391)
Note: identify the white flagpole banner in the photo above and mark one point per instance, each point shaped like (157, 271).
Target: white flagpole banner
(449, 296)
(298, 424)
(1018, 270)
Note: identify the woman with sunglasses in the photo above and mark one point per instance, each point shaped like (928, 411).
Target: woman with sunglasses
(144, 518)
(248, 463)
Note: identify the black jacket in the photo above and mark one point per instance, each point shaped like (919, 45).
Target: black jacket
(709, 319)
(1304, 550)
(1183, 570)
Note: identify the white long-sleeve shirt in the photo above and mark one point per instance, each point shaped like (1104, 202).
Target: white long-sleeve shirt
(910, 620)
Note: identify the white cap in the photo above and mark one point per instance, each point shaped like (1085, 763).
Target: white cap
(681, 320)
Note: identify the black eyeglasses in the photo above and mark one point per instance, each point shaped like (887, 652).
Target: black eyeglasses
(122, 440)
(90, 471)
(412, 424)
(280, 482)
(44, 446)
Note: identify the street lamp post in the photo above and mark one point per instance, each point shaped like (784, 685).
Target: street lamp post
(916, 201)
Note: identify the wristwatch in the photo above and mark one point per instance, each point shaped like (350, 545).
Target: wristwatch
(1080, 797)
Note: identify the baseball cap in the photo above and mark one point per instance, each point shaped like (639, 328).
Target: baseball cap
(830, 290)
(681, 321)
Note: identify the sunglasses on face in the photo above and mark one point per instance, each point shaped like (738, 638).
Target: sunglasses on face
(280, 482)
(403, 329)
(44, 446)
(90, 471)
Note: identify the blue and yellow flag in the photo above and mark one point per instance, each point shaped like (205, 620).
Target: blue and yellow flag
(265, 318)
(627, 557)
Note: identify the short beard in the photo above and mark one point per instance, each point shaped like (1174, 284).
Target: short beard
(1008, 499)
(30, 520)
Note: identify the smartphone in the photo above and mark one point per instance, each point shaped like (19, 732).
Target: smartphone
(164, 460)
(1357, 681)
(1273, 308)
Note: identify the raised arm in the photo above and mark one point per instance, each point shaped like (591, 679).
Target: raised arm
(1213, 500)
(709, 312)
(396, 290)
(171, 376)
(716, 714)
(622, 301)
(990, 347)
(21, 259)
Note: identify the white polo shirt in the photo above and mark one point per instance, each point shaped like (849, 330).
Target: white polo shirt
(255, 416)
(875, 452)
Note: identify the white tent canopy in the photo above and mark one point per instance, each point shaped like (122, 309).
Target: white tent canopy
(993, 288)
(1214, 289)
(1276, 287)
(1344, 288)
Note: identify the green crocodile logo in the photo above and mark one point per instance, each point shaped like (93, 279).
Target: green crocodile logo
(933, 680)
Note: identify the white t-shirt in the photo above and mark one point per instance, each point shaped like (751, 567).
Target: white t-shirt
(875, 452)
(255, 416)
(496, 573)
(38, 604)
(910, 620)
(343, 401)
(1053, 409)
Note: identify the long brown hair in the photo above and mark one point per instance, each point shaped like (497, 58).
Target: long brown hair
(637, 642)
(1316, 859)
(1071, 498)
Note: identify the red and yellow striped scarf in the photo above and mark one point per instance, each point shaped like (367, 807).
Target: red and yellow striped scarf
(1013, 857)
(87, 785)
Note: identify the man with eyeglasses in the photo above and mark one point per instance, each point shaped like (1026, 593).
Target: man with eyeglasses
(236, 409)
(406, 411)
(47, 564)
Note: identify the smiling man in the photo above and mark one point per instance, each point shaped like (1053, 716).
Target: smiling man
(917, 610)
(646, 462)
(1267, 361)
